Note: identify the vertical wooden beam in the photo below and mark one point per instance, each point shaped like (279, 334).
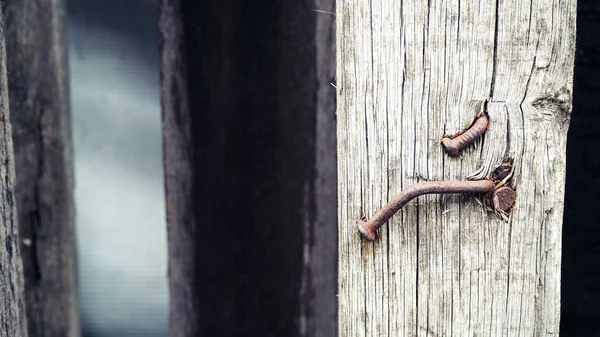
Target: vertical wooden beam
(41, 119)
(320, 271)
(409, 72)
(12, 310)
(249, 161)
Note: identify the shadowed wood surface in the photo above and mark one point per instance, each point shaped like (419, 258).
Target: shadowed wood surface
(408, 73)
(12, 307)
(249, 146)
(41, 119)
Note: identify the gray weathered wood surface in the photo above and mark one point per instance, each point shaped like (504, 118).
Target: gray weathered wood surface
(408, 72)
(41, 119)
(12, 302)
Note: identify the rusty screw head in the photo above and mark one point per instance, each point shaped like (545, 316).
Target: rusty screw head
(503, 198)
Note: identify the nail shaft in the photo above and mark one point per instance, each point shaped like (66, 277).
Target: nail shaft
(454, 145)
(368, 228)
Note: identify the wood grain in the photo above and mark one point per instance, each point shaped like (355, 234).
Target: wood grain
(41, 118)
(12, 303)
(408, 73)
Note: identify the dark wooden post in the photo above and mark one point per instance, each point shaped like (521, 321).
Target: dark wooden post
(249, 145)
(12, 309)
(39, 103)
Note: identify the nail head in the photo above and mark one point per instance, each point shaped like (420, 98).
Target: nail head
(503, 198)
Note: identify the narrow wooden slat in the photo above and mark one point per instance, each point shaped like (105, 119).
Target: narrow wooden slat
(12, 307)
(39, 103)
(249, 150)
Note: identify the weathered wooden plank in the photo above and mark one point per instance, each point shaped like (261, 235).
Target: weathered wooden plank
(249, 146)
(12, 310)
(41, 119)
(319, 287)
(408, 72)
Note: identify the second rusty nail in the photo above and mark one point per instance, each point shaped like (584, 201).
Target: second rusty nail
(456, 144)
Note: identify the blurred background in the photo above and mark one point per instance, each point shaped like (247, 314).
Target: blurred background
(119, 191)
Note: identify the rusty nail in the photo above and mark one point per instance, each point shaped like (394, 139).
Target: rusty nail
(454, 145)
(503, 198)
(368, 228)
